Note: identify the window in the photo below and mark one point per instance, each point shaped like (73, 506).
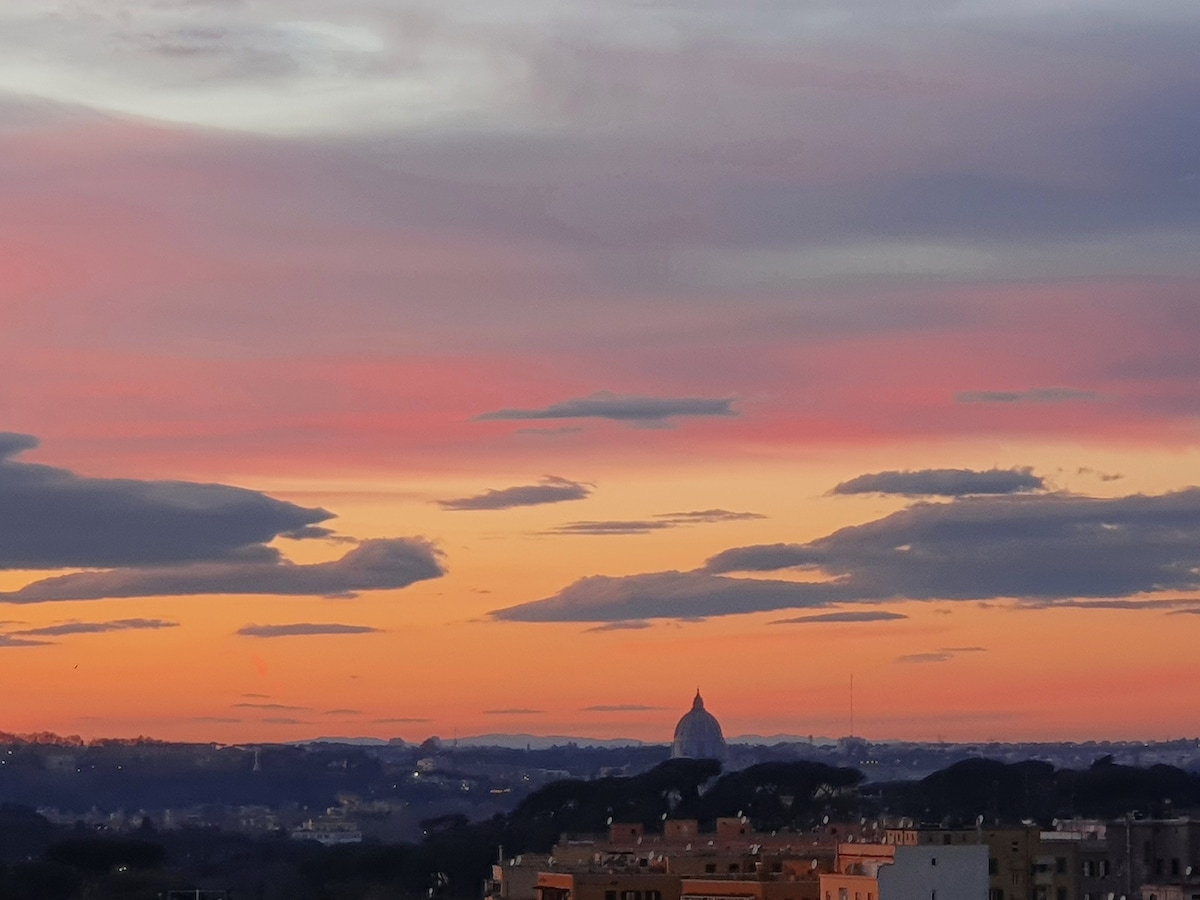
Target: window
(733, 867)
(631, 895)
(1016, 878)
(933, 895)
(843, 894)
(1088, 868)
(709, 868)
(996, 894)
(1104, 868)
(945, 839)
(610, 895)
(1060, 894)
(993, 865)
(1175, 866)
(653, 895)
(1060, 865)
(933, 860)
(1159, 868)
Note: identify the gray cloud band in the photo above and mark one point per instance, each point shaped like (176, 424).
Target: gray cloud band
(382, 564)
(944, 482)
(550, 489)
(1038, 548)
(52, 518)
(621, 408)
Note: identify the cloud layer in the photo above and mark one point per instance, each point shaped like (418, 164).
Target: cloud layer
(52, 518)
(1041, 548)
(550, 489)
(659, 522)
(944, 482)
(380, 564)
(303, 629)
(635, 409)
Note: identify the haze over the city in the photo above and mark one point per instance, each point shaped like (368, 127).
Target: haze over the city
(403, 368)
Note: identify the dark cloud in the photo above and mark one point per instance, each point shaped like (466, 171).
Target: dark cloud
(381, 564)
(343, 712)
(400, 720)
(659, 522)
(512, 711)
(944, 482)
(1118, 605)
(945, 654)
(1035, 395)
(938, 657)
(1039, 548)
(8, 640)
(550, 489)
(675, 595)
(275, 706)
(635, 409)
(284, 720)
(868, 615)
(623, 625)
(52, 518)
(622, 707)
(632, 526)
(67, 628)
(304, 629)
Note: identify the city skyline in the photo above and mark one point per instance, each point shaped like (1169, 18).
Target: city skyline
(413, 368)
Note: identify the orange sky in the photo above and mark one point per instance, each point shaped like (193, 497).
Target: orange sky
(574, 321)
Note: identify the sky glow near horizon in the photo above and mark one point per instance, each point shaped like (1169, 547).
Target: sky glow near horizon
(432, 368)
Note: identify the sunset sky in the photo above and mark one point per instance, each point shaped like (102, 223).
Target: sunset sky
(432, 367)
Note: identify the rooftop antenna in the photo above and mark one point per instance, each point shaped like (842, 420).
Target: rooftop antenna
(851, 705)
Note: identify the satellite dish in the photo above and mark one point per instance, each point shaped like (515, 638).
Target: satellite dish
(825, 820)
(1188, 871)
(979, 820)
(739, 815)
(609, 822)
(813, 865)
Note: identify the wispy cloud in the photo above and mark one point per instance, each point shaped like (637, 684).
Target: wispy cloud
(67, 628)
(658, 522)
(1034, 395)
(401, 720)
(622, 408)
(945, 654)
(622, 707)
(867, 615)
(8, 640)
(304, 629)
(550, 489)
(513, 711)
(282, 707)
(623, 625)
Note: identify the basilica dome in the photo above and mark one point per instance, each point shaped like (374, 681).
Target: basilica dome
(698, 734)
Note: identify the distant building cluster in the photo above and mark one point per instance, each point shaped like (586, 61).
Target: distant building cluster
(1125, 859)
